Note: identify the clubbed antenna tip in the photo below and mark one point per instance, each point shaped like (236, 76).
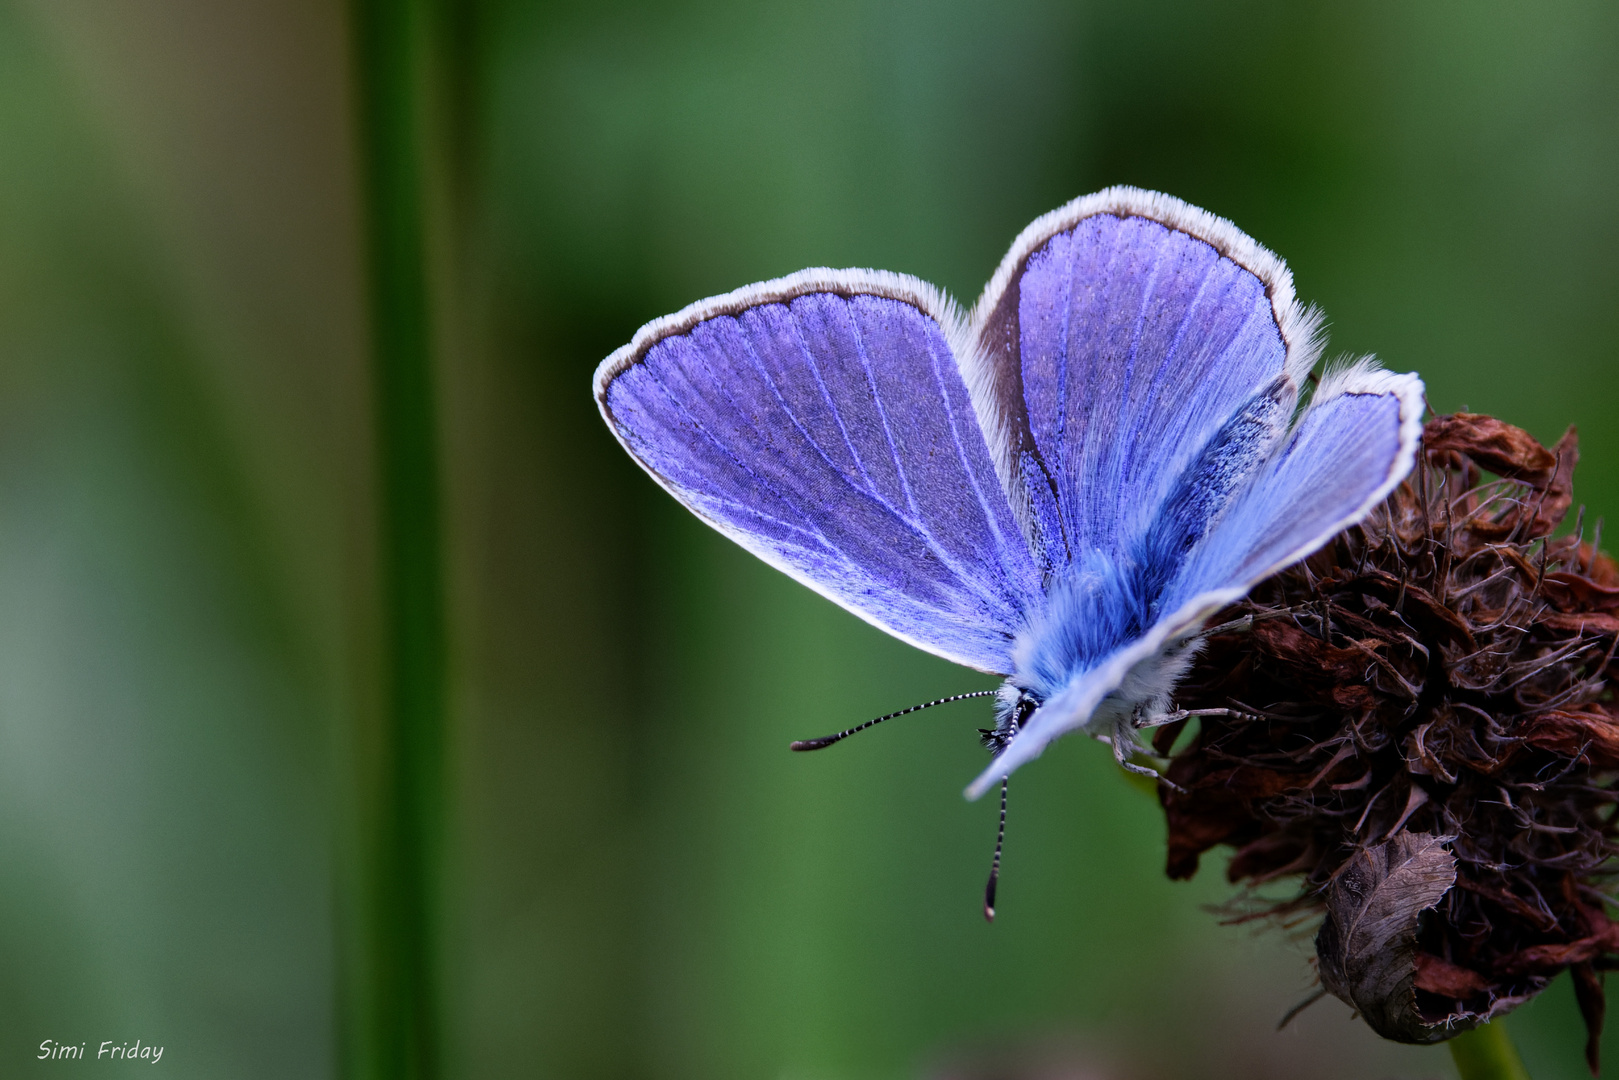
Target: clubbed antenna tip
(995, 864)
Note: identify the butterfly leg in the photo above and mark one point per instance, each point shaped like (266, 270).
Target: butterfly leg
(1152, 720)
(1126, 742)
(1182, 714)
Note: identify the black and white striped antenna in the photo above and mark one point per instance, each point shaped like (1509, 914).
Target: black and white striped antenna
(995, 865)
(827, 740)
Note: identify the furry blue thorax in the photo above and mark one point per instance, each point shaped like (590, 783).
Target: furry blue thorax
(1099, 607)
(1094, 608)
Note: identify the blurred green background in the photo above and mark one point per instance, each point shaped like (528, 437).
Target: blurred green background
(642, 882)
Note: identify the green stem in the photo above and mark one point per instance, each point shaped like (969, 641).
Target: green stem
(1487, 1053)
(392, 1032)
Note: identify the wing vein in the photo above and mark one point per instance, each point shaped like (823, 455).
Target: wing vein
(719, 445)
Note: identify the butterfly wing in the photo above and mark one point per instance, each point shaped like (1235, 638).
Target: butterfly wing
(822, 422)
(1119, 335)
(1350, 449)
(1353, 445)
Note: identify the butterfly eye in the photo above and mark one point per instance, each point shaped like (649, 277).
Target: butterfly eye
(1026, 707)
(1010, 722)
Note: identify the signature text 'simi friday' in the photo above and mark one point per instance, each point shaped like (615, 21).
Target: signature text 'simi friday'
(115, 1051)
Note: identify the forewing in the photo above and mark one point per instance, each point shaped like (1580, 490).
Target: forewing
(822, 422)
(1119, 336)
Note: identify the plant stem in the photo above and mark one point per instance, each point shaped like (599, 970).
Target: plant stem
(393, 1030)
(1487, 1053)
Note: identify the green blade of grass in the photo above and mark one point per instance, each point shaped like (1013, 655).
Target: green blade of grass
(391, 1029)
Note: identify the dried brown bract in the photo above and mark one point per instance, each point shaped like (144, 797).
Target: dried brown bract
(1367, 945)
(1438, 675)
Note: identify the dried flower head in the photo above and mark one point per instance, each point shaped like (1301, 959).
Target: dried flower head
(1418, 722)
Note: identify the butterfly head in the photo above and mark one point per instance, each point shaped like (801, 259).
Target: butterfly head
(1109, 699)
(1013, 707)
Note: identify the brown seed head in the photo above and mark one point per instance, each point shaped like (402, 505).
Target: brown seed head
(1435, 681)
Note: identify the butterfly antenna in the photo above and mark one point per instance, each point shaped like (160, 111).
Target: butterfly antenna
(995, 865)
(828, 740)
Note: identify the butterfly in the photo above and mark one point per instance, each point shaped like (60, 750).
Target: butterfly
(1060, 486)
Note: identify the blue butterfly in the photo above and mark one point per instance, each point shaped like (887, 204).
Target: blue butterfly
(1059, 487)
